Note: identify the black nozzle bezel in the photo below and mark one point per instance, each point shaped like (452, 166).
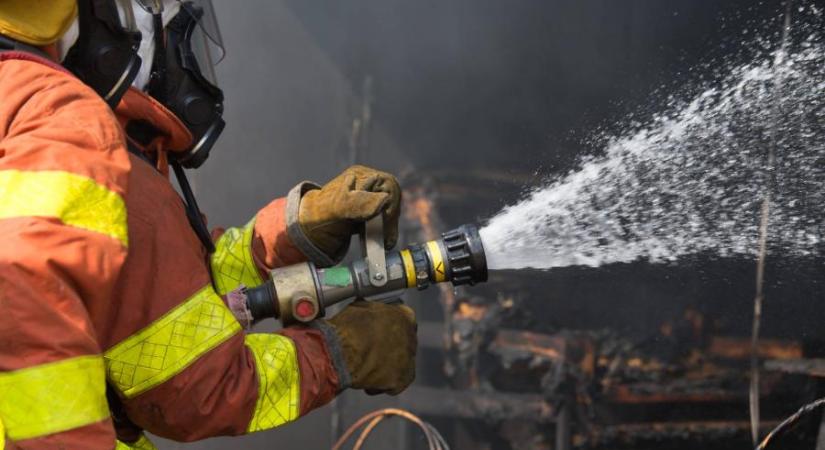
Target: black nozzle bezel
(464, 252)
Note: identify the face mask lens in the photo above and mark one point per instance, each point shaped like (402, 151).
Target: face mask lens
(206, 41)
(206, 53)
(209, 26)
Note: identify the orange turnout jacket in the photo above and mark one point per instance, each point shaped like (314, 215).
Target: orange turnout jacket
(111, 322)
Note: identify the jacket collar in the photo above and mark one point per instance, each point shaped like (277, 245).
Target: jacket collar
(152, 128)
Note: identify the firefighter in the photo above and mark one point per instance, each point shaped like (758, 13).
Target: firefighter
(113, 296)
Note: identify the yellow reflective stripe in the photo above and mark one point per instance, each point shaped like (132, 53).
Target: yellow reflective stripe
(232, 262)
(276, 361)
(53, 397)
(76, 200)
(170, 344)
(143, 443)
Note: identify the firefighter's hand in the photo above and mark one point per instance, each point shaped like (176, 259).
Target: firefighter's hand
(329, 216)
(378, 342)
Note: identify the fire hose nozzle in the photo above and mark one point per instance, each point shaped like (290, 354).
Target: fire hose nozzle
(300, 293)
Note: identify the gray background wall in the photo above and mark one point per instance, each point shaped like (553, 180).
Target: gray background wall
(463, 84)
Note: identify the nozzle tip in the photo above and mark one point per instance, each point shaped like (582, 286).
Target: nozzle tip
(465, 255)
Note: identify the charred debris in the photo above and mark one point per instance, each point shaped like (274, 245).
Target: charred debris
(495, 375)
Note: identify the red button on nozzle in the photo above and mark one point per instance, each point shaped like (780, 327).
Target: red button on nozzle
(304, 309)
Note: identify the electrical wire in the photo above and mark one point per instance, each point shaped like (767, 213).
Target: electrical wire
(787, 424)
(435, 440)
(366, 432)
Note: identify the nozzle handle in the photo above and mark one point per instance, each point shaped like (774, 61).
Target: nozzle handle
(373, 246)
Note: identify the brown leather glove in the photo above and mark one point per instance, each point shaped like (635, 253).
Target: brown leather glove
(329, 216)
(378, 343)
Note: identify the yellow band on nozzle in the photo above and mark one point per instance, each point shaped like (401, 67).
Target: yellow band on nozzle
(409, 268)
(439, 269)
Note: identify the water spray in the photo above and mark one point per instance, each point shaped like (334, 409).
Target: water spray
(300, 293)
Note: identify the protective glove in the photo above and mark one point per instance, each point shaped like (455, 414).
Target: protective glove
(329, 216)
(378, 343)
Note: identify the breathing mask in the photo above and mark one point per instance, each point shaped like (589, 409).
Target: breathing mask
(101, 48)
(167, 48)
(183, 77)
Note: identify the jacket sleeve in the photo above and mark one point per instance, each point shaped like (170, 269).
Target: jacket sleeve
(272, 239)
(194, 373)
(187, 370)
(63, 174)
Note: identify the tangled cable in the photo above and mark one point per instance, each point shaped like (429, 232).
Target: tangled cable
(434, 438)
(792, 420)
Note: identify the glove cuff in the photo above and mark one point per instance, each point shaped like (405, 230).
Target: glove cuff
(293, 227)
(336, 353)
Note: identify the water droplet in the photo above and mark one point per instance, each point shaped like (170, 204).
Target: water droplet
(691, 178)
